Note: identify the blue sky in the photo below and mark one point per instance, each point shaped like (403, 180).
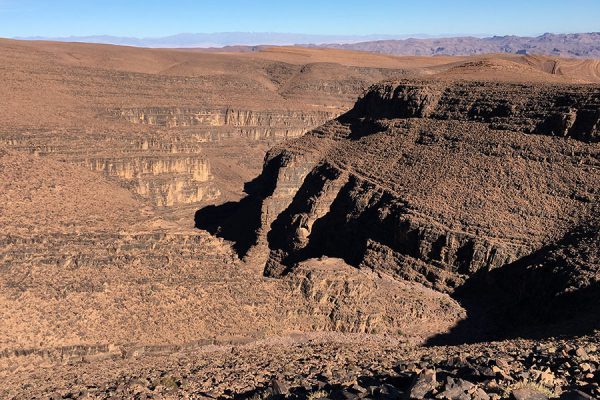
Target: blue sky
(147, 18)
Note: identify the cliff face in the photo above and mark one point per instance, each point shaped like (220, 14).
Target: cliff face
(173, 166)
(569, 111)
(166, 170)
(166, 181)
(253, 124)
(433, 183)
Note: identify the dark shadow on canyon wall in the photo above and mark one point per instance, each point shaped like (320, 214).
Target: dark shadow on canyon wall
(343, 232)
(233, 221)
(239, 221)
(361, 127)
(552, 292)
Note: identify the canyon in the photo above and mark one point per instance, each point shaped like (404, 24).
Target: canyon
(292, 221)
(373, 186)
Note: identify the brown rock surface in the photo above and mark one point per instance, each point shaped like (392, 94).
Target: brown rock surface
(407, 220)
(463, 187)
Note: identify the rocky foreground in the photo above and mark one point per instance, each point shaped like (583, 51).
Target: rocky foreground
(329, 366)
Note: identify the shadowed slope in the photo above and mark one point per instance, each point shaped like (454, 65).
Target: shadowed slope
(553, 292)
(453, 186)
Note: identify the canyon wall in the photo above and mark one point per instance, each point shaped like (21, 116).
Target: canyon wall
(166, 181)
(252, 124)
(433, 182)
(170, 166)
(541, 109)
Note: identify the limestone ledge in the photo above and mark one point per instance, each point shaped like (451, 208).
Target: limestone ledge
(172, 117)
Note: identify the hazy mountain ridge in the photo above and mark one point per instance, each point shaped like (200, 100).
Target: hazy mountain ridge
(580, 45)
(222, 39)
(577, 45)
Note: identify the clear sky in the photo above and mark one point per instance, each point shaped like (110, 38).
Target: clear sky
(148, 18)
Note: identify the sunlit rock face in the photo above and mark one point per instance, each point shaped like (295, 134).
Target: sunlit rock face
(165, 181)
(254, 125)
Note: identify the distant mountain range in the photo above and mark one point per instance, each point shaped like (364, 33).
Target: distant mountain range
(223, 39)
(579, 45)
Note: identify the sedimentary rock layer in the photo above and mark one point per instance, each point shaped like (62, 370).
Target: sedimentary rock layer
(434, 183)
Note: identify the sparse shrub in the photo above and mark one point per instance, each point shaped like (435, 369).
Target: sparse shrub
(169, 382)
(538, 387)
(317, 395)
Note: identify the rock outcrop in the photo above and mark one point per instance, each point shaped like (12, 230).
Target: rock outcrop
(166, 180)
(344, 299)
(434, 183)
(251, 124)
(539, 109)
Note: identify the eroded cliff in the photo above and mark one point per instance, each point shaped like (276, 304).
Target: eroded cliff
(433, 183)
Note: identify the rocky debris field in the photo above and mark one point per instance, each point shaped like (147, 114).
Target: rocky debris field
(562, 369)
(333, 367)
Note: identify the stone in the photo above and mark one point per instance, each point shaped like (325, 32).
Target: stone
(344, 395)
(389, 392)
(585, 367)
(575, 395)
(480, 394)
(455, 389)
(581, 353)
(359, 389)
(424, 383)
(547, 377)
(279, 387)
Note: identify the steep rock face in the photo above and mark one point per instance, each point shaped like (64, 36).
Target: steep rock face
(435, 183)
(551, 292)
(269, 123)
(542, 109)
(352, 218)
(165, 180)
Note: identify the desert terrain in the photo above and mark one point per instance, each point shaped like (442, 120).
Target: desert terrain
(576, 45)
(297, 223)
